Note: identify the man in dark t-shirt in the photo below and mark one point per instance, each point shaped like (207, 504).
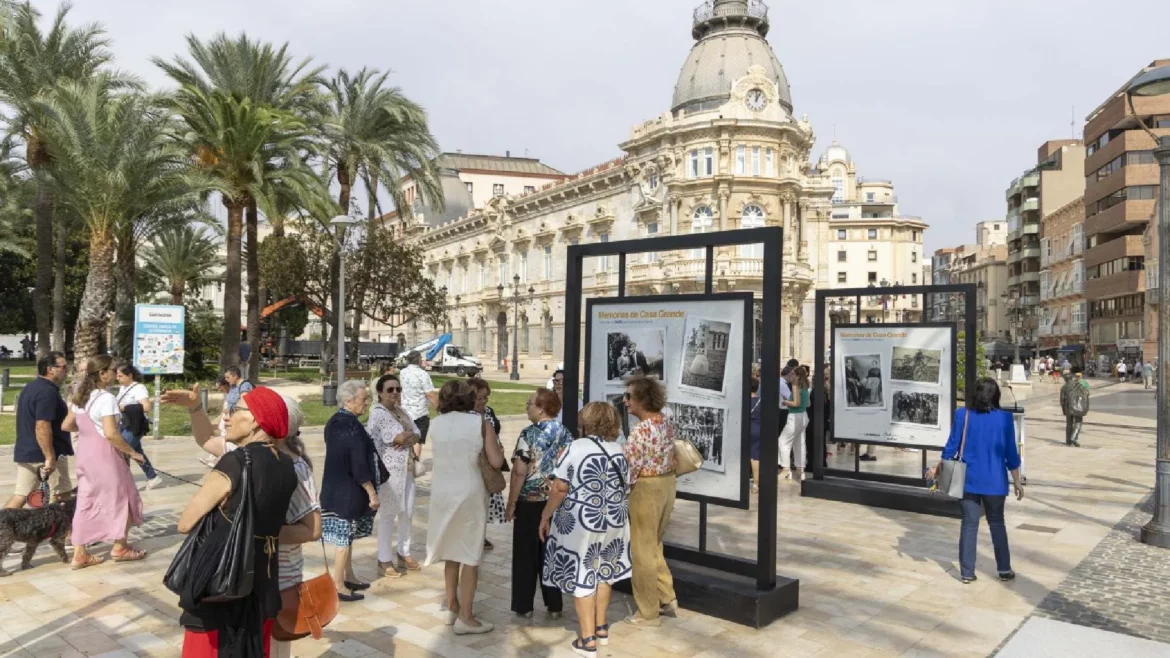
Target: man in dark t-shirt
(41, 445)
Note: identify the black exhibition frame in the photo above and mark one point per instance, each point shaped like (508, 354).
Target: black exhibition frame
(967, 290)
(763, 568)
(745, 439)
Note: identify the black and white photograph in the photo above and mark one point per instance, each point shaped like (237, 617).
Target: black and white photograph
(618, 400)
(916, 364)
(635, 351)
(863, 382)
(915, 408)
(703, 426)
(704, 364)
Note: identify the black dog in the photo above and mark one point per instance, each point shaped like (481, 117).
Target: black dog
(33, 526)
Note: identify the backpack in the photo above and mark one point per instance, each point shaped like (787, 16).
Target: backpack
(1078, 401)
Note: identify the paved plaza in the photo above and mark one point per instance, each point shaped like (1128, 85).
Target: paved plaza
(873, 582)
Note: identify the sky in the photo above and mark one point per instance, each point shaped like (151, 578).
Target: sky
(948, 98)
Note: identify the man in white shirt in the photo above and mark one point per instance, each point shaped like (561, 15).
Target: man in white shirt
(418, 395)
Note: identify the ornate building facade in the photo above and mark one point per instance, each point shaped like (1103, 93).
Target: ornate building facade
(729, 154)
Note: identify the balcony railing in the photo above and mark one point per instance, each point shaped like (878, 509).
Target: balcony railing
(708, 10)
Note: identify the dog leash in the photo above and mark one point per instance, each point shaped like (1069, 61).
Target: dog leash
(176, 477)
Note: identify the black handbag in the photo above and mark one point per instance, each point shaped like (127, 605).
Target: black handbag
(232, 557)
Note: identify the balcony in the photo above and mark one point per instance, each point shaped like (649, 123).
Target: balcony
(1029, 277)
(1013, 281)
(1120, 217)
(1153, 295)
(1030, 205)
(1129, 245)
(1114, 285)
(1030, 228)
(1031, 180)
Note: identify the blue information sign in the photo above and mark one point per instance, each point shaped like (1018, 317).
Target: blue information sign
(158, 339)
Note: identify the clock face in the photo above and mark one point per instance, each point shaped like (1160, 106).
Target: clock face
(756, 100)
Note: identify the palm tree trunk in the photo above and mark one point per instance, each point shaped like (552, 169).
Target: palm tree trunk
(253, 292)
(97, 300)
(124, 298)
(177, 295)
(229, 353)
(42, 301)
(59, 288)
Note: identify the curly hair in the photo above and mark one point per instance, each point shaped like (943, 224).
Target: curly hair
(547, 401)
(382, 382)
(600, 419)
(648, 393)
(480, 384)
(456, 395)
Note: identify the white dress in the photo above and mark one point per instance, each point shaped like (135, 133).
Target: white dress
(458, 514)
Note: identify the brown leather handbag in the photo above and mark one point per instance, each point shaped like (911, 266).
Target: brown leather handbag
(307, 608)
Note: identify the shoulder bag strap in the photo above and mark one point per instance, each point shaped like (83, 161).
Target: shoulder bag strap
(963, 441)
(608, 460)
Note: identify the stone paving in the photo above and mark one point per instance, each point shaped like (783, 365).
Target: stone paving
(873, 582)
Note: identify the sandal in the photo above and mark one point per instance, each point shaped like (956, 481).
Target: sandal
(602, 640)
(409, 563)
(581, 646)
(129, 555)
(90, 561)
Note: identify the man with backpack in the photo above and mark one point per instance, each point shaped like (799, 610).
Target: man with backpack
(1074, 403)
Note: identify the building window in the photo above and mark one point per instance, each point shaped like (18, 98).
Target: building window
(752, 217)
(913, 278)
(872, 256)
(651, 231)
(914, 236)
(529, 189)
(524, 266)
(913, 256)
(869, 197)
(498, 189)
(769, 163)
(841, 256)
(702, 221)
(482, 274)
(755, 161)
(502, 264)
(470, 188)
(838, 190)
(709, 162)
(872, 234)
(548, 263)
(873, 277)
(653, 180)
(841, 278)
(741, 160)
(603, 262)
(694, 170)
(463, 283)
(841, 234)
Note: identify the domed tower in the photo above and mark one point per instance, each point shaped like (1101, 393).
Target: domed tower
(729, 38)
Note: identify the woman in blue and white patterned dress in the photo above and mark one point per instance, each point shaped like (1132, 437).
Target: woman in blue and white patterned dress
(586, 523)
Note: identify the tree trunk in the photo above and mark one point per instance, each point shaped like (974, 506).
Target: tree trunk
(96, 301)
(254, 301)
(229, 354)
(59, 288)
(177, 295)
(124, 300)
(42, 295)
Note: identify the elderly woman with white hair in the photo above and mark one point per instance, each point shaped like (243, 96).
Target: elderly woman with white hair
(349, 495)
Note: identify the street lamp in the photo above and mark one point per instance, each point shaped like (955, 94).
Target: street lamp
(515, 375)
(1156, 82)
(341, 222)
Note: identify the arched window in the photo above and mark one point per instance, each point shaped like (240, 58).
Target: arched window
(753, 216)
(702, 221)
(548, 333)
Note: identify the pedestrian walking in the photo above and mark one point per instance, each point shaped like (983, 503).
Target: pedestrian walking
(1148, 374)
(1074, 403)
(792, 457)
(243, 626)
(349, 498)
(134, 405)
(459, 500)
(42, 447)
(394, 435)
(108, 503)
(755, 417)
(533, 462)
(650, 454)
(418, 396)
(26, 348)
(1121, 371)
(592, 475)
(985, 437)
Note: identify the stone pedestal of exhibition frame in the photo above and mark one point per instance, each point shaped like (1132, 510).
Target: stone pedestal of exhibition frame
(729, 596)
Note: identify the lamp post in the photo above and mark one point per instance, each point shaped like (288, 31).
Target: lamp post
(341, 222)
(515, 374)
(1156, 82)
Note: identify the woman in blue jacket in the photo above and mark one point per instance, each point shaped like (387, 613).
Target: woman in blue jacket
(990, 452)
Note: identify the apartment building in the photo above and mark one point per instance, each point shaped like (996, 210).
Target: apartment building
(1121, 184)
(1063, 312)
(1054, 182)
(986, 267)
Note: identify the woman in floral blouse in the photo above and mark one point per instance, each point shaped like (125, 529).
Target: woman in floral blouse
(394, 435)
(650, 454)
(533, 464)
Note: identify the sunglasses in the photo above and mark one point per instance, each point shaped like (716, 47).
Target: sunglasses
(626, 397)
(392, 389)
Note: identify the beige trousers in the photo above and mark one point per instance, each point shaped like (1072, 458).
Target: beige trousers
(651, 504)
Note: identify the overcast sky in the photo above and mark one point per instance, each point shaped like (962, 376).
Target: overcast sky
(948, 98)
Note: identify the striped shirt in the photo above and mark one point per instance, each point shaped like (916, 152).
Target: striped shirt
(303, 503)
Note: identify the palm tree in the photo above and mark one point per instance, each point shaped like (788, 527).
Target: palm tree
(183, 258)
(112, 163)
(247, 109)
(32, 64)
(377, 135)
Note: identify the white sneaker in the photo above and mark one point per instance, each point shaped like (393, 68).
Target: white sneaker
(463, 629)
(154, 482)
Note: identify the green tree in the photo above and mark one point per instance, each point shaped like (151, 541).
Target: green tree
(112, 163)
(32, 64)
(961, 362)
(183, 259)
(249, 112)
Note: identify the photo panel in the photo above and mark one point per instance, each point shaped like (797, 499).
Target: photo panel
(635, 351)
(704, 355)
(863, 382)
(702, 426)
(917, 365)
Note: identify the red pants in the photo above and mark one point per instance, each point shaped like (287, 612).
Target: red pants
(206, 645)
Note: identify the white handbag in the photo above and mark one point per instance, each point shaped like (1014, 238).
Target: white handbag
(952, 474)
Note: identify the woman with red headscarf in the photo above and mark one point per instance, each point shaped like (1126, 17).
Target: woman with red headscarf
(241, 628)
